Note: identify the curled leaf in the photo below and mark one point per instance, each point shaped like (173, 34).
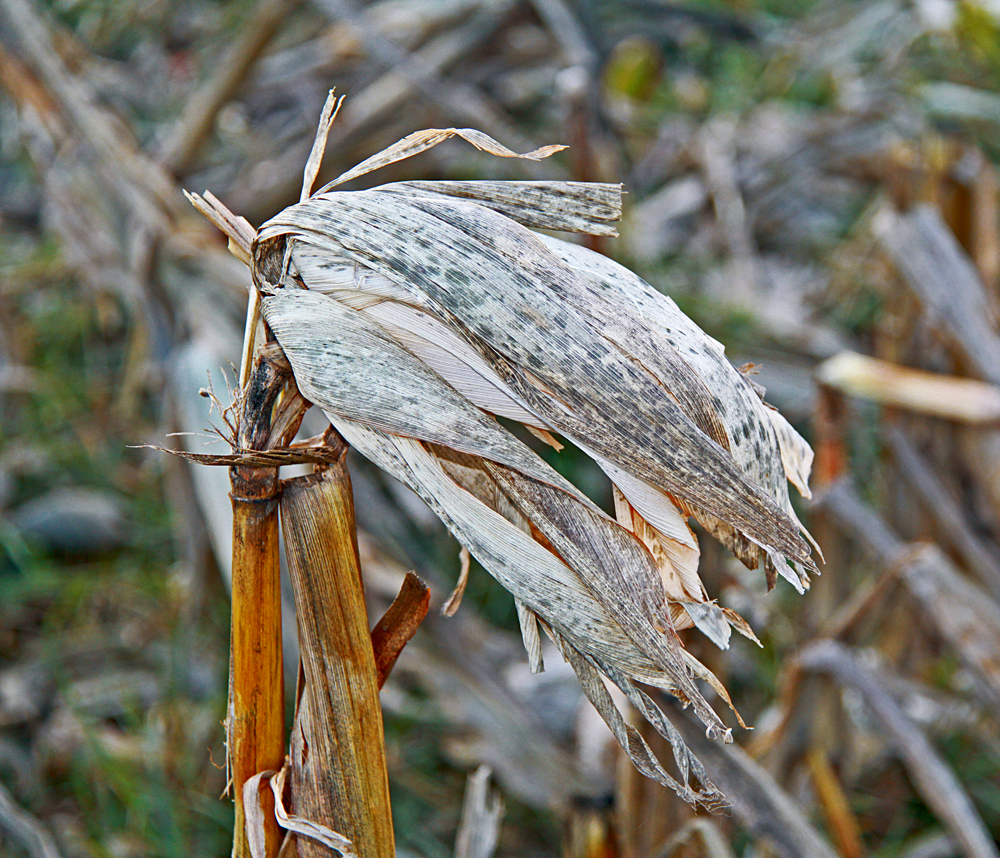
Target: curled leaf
(421, 141)
(306, 827)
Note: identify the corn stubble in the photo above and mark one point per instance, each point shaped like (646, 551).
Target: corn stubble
(415, 314)
(338, 711)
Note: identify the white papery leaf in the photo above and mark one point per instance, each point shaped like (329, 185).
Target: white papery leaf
(341, 365)
(768, 450)
(415, 313)
(342, 362)
(796, 454)
(421, 141)
(528, 622)
(254, 814)
(660, 512)
(542, 330)
(306, 827)
(452, 357)
(421, 333)
(536, 576)
(630, 739)
(587, 207)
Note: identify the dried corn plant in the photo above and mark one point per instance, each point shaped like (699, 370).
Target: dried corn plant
(858, 225)
(416, 314)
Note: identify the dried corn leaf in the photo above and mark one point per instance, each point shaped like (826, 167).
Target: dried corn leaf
(930, 774)
(539, 327)
(677, 564)
(342, 360)
(613, 566)
(412, 313)
(452, 603)
(759, 804)
(644, 322)
(544, 585)
(632, 742)
(709, 619)
(536, 576)
(306, 827)
(796, 454)
(452, 357)
(417, 331)
(962, 612)
(421, 141)
(589, 207)
(254, 811)
(315, 160)
(482, 810)
(749, 431)
(530, 636)
(946, 396)
(660, 511)
(586, 540)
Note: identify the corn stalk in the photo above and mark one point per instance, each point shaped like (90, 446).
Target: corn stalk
(255, 726)
(337, 760)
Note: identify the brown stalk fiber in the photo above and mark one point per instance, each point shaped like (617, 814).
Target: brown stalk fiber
(399, 624)
(840, 820)
(256, 718)
(337, 755)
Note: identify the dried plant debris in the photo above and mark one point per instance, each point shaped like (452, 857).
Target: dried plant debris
(414, 314)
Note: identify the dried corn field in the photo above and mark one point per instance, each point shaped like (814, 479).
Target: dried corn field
(813, 183)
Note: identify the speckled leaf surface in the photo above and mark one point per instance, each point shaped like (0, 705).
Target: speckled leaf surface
(544, 586)
(347, 365)
(416, 313)
(535, 575)
(589, 207)
(537, 325)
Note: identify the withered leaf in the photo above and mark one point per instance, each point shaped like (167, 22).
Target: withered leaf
(416, 313)
(533, 320)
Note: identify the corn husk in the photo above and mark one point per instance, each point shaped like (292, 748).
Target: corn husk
(414, 314)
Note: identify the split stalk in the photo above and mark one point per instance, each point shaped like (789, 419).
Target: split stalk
(337, 755)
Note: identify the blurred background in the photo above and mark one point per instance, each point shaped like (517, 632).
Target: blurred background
(813, 181)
